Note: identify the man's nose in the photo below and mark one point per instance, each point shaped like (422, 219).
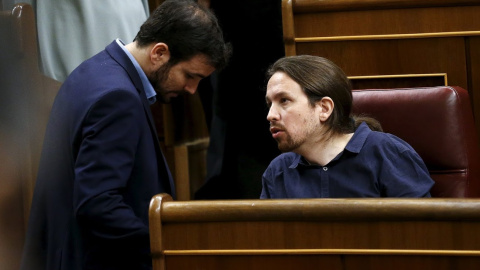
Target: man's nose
(272, 114)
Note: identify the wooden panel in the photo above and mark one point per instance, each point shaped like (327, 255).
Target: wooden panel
(406, 56)
(349, 234)
(473, 69)
(404, 80)
(330, 262)
(341, 233)
(255, 262)
(387, 22)
(306, 6)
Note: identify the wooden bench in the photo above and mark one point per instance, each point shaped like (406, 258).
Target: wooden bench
(308, 234)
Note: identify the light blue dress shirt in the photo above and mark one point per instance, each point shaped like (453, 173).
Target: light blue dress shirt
(149, 91)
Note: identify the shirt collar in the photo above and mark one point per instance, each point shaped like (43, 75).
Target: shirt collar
(147, 86)
(299, 160)
(358, 139)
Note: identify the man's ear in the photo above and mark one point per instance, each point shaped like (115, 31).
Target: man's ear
(159, 54)
(325, 107)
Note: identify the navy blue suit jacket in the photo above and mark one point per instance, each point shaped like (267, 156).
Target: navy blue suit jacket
(101, 164)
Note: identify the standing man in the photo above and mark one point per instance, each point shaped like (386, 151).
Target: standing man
(101, 161)
(326, 155)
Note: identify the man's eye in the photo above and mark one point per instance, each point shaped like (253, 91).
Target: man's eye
(283, 100)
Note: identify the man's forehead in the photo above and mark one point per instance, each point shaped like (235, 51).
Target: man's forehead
(282, 84)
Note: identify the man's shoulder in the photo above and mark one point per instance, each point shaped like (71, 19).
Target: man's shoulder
(96, 77)
(384, 140)
(98, 68)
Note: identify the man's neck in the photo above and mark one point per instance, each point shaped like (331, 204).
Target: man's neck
(326, 150)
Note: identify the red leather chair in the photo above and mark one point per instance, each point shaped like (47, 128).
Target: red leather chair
(438, 123)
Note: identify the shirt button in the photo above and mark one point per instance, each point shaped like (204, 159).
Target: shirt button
(325, 168)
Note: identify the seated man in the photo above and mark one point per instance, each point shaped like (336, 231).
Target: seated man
(325, 154)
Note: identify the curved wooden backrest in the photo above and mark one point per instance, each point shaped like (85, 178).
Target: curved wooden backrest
(334, 234)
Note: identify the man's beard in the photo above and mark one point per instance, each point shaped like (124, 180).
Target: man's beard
(288, 145)
(158, 78)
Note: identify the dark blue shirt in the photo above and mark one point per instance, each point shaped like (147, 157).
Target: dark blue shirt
(373, 164)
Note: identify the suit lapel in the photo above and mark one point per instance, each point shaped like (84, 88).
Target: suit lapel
(122, 59)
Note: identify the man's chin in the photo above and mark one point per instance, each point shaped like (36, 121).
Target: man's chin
(282, 147)
(285, 147)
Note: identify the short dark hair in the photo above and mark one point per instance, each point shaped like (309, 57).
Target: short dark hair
(188, 29)
(319, 77)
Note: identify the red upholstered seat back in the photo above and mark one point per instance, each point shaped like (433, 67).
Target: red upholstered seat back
(438, 123)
